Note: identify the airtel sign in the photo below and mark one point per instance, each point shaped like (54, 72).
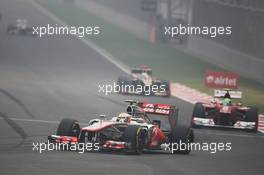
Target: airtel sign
(215, 79)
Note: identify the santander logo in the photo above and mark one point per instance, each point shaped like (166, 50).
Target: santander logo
(221, 79)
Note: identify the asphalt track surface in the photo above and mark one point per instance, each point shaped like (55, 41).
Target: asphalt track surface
(43, 80)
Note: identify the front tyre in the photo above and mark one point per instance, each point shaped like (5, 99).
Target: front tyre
(69, 127)
(135, 136)
(198, 111)
(252, 116)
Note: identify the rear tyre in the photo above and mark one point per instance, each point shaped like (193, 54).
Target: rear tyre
(29, 31)
(121, 81)
(252, 116)
(69, 127)
(135, 136)
(145, 89)
(198, 110)
(11, 29)
(182, 136)
(166, 85)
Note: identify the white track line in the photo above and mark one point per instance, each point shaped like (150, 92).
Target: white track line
(32, 120)
(86, 41)
(38, 121)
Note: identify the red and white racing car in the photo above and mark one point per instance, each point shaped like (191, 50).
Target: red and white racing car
(20, 28)
(223, 113)
(143, 126)
(141, 82)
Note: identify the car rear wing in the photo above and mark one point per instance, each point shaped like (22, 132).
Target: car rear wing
(233, 94)
(141, 69)
(162, 109)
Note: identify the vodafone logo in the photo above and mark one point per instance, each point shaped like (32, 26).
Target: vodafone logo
(221, 79)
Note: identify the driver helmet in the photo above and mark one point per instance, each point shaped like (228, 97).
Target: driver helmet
(226, 101)
(146, 78)
(124, 117)
(144, 75)
(21, 23)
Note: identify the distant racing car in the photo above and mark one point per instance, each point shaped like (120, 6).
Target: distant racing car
(143, 126)
(20, 28)
(141, 82)
(223, 113)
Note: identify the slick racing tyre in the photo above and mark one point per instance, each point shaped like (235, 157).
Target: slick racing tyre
(198, 110)
(11, 29)
(182, 136)
(69, 127)
(122, 81)
(135, 136)
(252, 116)
(167, 88)
(28, 31)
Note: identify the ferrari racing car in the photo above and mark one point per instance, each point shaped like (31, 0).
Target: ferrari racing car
(141, 82)
(20, 28)
(223, 113)
(143, 126)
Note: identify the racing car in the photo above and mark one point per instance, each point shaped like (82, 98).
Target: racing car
(142, 127)
(222, 113)
(141, 82)
(20, 28)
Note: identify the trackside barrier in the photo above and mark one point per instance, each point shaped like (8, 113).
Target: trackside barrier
(261, 123)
